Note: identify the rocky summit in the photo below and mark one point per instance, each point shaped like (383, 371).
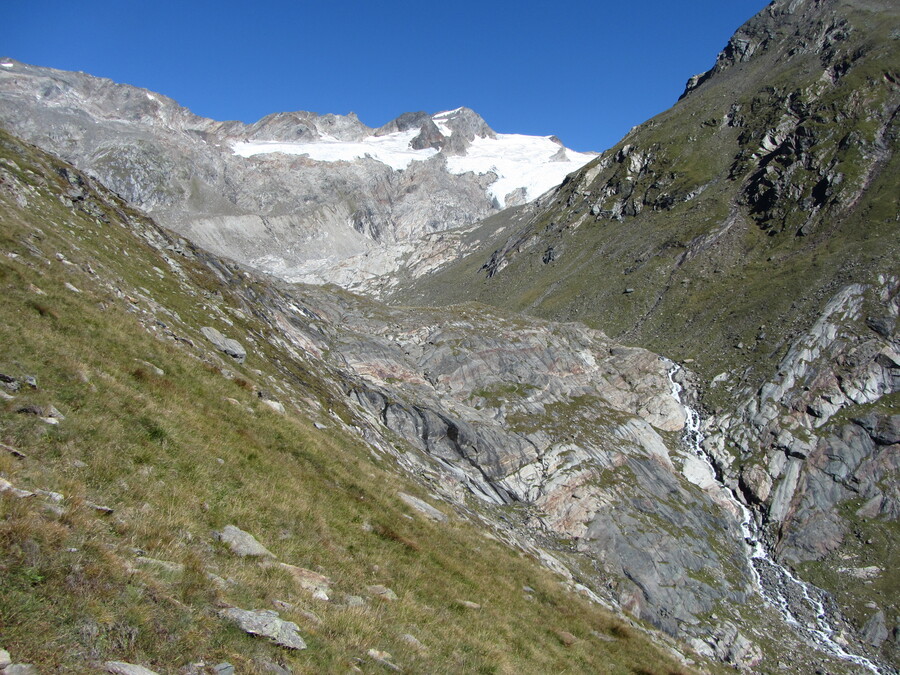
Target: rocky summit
(640, 418)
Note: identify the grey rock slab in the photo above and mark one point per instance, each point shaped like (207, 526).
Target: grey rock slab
(383, 659)
(223, 669)
(266, 623)
(6, 486)
(22, 669)
(242, 543)
(875, 631)
(5, 658)
(123, 668)
(231, 347)
(423, 507)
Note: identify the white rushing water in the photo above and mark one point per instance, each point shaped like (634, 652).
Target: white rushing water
(780, 583)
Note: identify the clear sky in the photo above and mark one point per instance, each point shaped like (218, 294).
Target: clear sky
(585, 71)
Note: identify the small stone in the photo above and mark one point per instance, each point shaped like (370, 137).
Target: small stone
(122, 668)
(12, 451)
(242, 543)
(31, 410)
(105, 510)
(6, 486)
(156, 370)
(71, 287)
(54, 497)
(274, 405)
(383, 658)
(468, 604)
(382, 592)
(223, 669)
(266, 623)
(319, 425)
(274, 668)
(566, 638)
(354, 601)
(315, 583)
(411, 640)
(628, 291)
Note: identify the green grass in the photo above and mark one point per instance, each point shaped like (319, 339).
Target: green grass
(184, 453)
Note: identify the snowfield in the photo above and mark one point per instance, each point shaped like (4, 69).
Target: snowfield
(534, 163)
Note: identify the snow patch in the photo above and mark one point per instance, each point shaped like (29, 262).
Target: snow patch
(7, 65)
(517, 160)
(392, 149)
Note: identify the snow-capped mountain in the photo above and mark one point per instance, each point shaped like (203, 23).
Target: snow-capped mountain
(318, 198)
(525, 166)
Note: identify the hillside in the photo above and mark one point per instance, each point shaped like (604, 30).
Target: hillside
(646, 422)
(129, 439)
(751, 233)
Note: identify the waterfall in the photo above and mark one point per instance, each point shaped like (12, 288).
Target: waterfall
(777, 585)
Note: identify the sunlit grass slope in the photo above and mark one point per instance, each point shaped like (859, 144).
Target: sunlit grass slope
(178, 444)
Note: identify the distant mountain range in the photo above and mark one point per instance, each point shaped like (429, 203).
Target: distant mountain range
(304, 196)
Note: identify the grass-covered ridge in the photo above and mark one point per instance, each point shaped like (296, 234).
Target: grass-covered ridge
(104, 311)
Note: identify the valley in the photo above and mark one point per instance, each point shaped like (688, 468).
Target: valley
(483, 404)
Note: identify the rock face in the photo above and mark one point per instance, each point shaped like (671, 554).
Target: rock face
(551, 416)
(292, 194)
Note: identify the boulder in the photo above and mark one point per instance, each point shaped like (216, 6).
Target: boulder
(315, 583)
(875, 631)
(233, 348)
(242, 543)
(266, 623)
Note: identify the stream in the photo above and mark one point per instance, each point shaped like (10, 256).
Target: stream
(799, 603)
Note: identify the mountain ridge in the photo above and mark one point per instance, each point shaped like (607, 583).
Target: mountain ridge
(305, 193)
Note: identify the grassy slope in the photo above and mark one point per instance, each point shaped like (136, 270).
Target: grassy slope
(175, 460)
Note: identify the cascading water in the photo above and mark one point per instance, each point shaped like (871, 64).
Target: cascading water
(798, 603)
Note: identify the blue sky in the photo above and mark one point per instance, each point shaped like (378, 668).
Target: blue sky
(585, 71)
